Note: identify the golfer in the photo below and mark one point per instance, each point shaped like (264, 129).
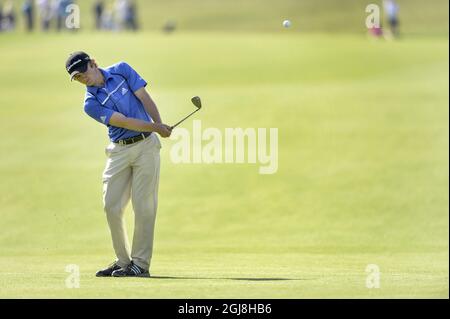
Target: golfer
(116, 97)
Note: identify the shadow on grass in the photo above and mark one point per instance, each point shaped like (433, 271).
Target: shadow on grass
(218, 278)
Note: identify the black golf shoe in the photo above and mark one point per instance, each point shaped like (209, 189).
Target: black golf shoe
(132, 270)
(107, 272)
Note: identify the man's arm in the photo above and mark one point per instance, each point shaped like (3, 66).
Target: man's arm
(120, 120)
(148, 103)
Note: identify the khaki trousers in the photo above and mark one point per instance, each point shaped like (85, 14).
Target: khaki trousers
(132, 171)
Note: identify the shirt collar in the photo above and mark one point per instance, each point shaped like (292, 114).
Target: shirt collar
(106, 74)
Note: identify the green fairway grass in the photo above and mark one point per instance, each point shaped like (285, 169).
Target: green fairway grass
(362, 174)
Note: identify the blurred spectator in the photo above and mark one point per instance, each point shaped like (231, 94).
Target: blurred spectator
(62, 14)
(131, 16)
(45, 13)
(126, 14)
(28, 12)
(391, 9)
(8, 16)
(98, 12)
(169, 26)
(1, 16)
(57, 13)
(376, 32)
(120, 7)
(108, 18)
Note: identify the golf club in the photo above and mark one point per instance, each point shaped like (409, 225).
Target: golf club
(198, 104)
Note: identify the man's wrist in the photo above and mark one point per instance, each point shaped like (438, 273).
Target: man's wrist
(154, 127)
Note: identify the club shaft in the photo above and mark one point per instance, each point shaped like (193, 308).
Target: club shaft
(184, 119)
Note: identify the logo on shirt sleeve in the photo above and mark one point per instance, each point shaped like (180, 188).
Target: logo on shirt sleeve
(103, 118)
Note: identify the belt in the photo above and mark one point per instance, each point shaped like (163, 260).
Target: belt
(133, 139)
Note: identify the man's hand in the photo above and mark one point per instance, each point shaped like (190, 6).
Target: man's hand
(163, 129)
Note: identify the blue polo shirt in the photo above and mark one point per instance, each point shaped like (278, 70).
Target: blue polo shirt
(116, 96)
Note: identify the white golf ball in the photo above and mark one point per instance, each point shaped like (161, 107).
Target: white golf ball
(287, 23)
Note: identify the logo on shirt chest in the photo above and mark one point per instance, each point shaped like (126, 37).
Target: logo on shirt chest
(124, 91)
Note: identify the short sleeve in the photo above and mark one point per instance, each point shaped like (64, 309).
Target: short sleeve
(95, 110)
(135, 81)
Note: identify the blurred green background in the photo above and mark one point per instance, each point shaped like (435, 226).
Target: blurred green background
(363, 154)
(417, 17)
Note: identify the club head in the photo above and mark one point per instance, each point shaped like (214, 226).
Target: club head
(197, 102)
